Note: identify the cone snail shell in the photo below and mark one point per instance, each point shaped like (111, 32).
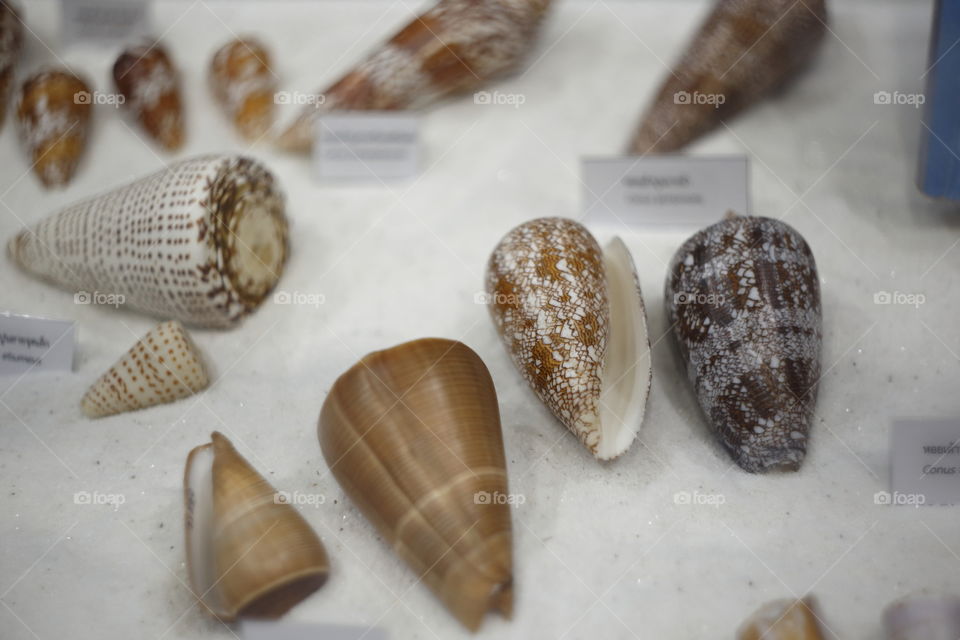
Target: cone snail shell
(923, 618)
(572, 318)
(743, 297)
(147, 79)
(744, 51)
(244, 84)
(783, 620)
(203, 241)
(249, 552)
(412, 434)
(11, 45)
(455, 46)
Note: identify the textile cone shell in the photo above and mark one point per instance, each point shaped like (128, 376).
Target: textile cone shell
(572, 318)
(249, 552)
(412, 434)
(11, 45)
(244, 84)
(923, 618)
(455, 46)
(203, 241)
(744, 51)
(783, 620)
(743, 298)
(54, 117)
(147, 79)
(164, 366)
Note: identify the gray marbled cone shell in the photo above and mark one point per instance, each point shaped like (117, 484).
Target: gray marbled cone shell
(743, 297)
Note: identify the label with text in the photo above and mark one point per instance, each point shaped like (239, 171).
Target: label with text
(107, 21)
(925, 461)
(32, 345)
(372, 146)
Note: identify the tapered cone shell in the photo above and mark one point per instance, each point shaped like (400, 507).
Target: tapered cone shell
(923, 618)
(572, 318)
(54, 117)
(149, 82)
(11, 44)
(244, 84)
(249, 552)
(164, 366)
(203, 241)
(743, 297)
(455, 46)
(746, 50)
(412, 434)
(783, 620)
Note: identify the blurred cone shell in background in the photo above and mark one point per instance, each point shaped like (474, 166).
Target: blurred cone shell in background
(11, 46)
(150, 83)
(245, 85)
(923, 618)
(783, 620)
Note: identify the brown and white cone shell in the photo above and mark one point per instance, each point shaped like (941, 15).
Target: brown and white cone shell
(202, 241)
(150, 83)
(164, 366)
(455, 46)
(783, 620)
(53, 113)
(245, 85)
(11, 45)
(572, 319)
(249, 551)
(923, 618)
(744, 51)
(412, 434)
(743, 298)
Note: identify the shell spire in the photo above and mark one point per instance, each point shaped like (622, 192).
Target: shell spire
(11, 46)
(412, 434)
(244, 84)
(783, 620)
(147, 78)
(203, 241)
(455, 46)
(743, 52)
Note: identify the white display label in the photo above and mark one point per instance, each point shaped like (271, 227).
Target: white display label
(925, 462)
(107, 21)
(251, 629)
(370, 146)
(664, 190)
(34, 345)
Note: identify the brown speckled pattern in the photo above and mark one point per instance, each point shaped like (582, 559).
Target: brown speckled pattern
(11, 44)
(743, 296)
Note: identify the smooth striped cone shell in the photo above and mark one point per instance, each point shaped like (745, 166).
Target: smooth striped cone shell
(923, 618)
(412, 434)
(53, 114)
(244, 84)
(203, 241)
(456, 46)
(572, 319)
(743, 298)
(164, 366)
(146, 76)
(11, 45)
(249, 551)
(744, 51)
(783, 620)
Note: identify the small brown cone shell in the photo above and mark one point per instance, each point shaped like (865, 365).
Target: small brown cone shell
(783, 620)
(146, 77)
(245, 86)
(11, 45)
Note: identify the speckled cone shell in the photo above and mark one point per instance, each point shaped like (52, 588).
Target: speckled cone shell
(783, 620)
(249, 552)
(53, 114)
(412, 434)
(549, 299)
(244, 84)
(455, 46)
(11, 44)
(743, 298)
(744, 51)
(923, 618)
(163, 366)
(146, 77)
(203, 241)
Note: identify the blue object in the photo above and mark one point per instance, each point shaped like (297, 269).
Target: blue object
(940, 139)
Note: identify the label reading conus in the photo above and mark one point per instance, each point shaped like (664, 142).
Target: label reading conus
(368, 146)
(925, 462)
(663, 190)
(107, 21)
(33, 345)
(251, 629)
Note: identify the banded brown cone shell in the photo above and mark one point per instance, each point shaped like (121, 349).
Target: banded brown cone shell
(743, 298)
(923, 618)
(202, 241)
(244, 84)
(163, 366)
(150, 83)
(54, 116)
(455, 46)
(11, 45)
(249, 551)
(744, 51)
(412, 434)
(783, 620)
(572, 319)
